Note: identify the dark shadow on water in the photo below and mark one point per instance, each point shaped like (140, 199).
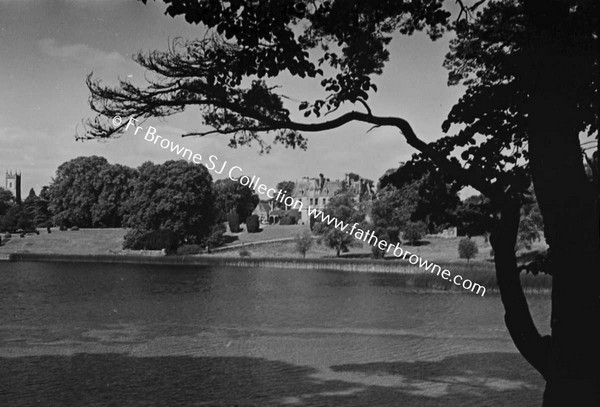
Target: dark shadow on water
(489, 379)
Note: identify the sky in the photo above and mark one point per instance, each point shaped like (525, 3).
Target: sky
(48, 47)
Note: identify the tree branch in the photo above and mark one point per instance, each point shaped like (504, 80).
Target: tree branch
(451, 166)
(227, 131)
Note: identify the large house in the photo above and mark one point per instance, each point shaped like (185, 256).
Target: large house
(317, 192)
(263, 211)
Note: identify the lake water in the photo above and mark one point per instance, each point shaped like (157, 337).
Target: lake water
(123, 335)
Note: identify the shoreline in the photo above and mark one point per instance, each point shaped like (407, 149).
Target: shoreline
(351, 265)
(411, 276)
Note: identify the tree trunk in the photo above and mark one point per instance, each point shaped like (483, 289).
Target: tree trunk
(568, 203)
(517, 317)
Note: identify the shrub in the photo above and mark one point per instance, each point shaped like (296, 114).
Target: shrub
(75, 228)
(215, 238)
(311, 222)
(189, 249)
(414, 231)
(133, 239)
(252, 224)
(24, 222)
(234, 222)
(244, 252)
(304, 242)
(138, 239)
(62, 228)
(467, 248)
(287, 220)
(161, 239)
(377, 253)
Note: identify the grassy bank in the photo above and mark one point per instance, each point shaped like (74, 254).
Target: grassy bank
(104, 245)
(83, 241)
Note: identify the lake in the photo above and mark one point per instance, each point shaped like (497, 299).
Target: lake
(123, 335)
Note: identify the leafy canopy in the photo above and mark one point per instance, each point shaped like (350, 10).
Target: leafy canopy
(175, 196)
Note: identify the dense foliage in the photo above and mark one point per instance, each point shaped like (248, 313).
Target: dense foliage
(138, 239)
(230, 196)
(37, 209)
(437, 195)
(177, 196)
(90, 192)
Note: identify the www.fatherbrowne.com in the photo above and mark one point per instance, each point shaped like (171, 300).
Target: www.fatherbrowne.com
(280, 196)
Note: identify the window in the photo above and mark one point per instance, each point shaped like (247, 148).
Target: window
(316, 201)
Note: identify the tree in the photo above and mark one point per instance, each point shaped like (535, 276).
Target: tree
(45, 193)
(175, 196)
(530, 68)
(32, 194)
(343, 207)
(304, 242)
(89, 192)
(16, 218)
(467, 248)
(252, 225)
(414, 231)
(74, 191)
(115, 185)
(475, 216)
(230, 196)
(233, 219)
(215, 237)
(391, 211)
(288, 188)
(437, 195)
(6, 201)
(37, 210)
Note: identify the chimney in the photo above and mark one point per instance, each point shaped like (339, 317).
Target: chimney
(322, 182)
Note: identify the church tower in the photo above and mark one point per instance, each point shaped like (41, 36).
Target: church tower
(13, 184)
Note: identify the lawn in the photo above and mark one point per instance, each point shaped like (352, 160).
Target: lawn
(434, 249)
(109, 241)
(267, 232)
(83, 241)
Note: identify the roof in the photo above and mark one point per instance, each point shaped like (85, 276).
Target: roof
(262, 207)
